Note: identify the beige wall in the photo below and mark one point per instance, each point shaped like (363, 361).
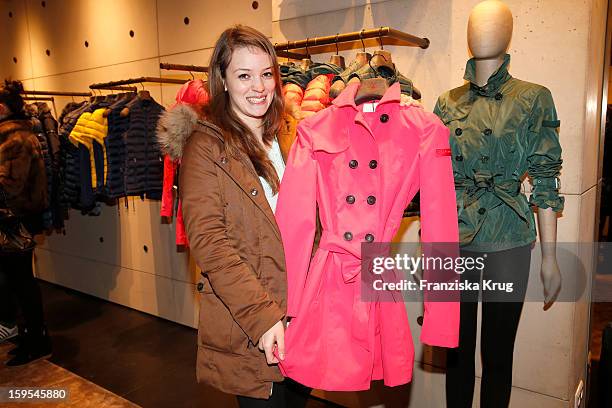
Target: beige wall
(159, 281)
(558, 44)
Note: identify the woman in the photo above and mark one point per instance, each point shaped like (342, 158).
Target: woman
(23, 194)
(229, 178)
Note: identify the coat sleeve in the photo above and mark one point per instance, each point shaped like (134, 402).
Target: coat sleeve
(167, 200)
(296, 216)
(439, 233)
(232, 280)
(15, 161)
(544, 155)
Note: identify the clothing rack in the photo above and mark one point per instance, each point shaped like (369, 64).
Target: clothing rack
(38, 98)
(181, 67)
(56, 93)
(141, 80)
(122, 88)
(377, 37)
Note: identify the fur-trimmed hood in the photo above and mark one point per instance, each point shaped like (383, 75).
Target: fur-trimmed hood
(175, 126)
(177, 123)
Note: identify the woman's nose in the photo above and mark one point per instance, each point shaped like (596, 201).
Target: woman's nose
(257, 84)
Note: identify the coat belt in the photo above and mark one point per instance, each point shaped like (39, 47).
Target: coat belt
(483, 183)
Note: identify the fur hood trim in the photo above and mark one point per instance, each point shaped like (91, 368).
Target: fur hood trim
(174, 128)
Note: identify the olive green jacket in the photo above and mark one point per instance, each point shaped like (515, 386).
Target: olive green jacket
(499, 133)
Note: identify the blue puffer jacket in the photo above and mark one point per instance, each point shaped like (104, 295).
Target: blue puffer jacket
(144, 165)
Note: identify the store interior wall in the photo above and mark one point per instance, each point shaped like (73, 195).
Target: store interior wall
(126, 255)
(557, 44)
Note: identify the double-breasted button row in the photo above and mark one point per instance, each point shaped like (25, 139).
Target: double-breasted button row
(354, 163)
(351, 199)
(348, 236)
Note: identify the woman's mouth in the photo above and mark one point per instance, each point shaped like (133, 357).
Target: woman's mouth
(256, 100)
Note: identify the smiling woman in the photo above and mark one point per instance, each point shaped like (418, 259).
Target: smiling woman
(229, 178)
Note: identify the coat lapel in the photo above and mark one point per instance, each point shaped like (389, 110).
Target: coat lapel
(242, 172)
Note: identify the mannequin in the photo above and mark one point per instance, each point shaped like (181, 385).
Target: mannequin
(489, 33)
(501, 128)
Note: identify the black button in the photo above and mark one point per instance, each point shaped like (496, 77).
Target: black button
(384, 118)
(484, 159)
(481, 211)
(499, 96)
(348, 236)
(371, 200)
(200, 286)
(369, 237)
(420, 320)
(373, 164)
(350, 199)
(459, 157)
(458, 131)
(353, 164)
(487, 132)
(254, 192)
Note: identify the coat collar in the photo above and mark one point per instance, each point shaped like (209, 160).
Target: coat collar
(347, 97)
(495, 81)
(248, 181)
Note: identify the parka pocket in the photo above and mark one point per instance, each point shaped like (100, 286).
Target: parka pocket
(217, 329)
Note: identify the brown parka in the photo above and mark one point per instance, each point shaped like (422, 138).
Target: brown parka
(23, 181)
(235, 241)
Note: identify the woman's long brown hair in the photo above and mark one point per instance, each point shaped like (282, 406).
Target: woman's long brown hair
(237, 135)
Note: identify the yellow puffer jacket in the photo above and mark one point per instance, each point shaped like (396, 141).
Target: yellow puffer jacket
(92, 127)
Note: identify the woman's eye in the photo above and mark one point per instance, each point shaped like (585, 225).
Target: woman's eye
(267, 75)
(243, 76)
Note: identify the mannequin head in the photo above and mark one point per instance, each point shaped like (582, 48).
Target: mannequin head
(489, 29)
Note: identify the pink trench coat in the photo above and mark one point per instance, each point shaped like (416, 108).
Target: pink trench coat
(335, 341)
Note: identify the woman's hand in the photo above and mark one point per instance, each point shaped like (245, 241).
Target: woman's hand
(274, 336)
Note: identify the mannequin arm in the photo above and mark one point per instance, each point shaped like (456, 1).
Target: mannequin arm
(549, 272)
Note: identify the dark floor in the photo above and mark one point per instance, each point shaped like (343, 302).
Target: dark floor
(151, 361)
(145, 359)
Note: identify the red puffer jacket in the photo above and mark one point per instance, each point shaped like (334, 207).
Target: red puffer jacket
(191, 93)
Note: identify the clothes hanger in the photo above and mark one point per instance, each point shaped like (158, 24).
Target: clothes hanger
(372, 88)
(337, 59)
(381, 61)
(363, 57)
(144, 94)
(306, 62)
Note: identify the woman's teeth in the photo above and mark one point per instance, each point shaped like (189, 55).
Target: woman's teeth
(256, 100)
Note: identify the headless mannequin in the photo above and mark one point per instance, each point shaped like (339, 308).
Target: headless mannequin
(488, 34)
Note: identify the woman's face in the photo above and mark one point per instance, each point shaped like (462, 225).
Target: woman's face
(250, 83)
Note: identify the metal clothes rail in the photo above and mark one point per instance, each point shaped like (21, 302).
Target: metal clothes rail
(377, 37)
(55, 93)
(181, 67)
(140, 80)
